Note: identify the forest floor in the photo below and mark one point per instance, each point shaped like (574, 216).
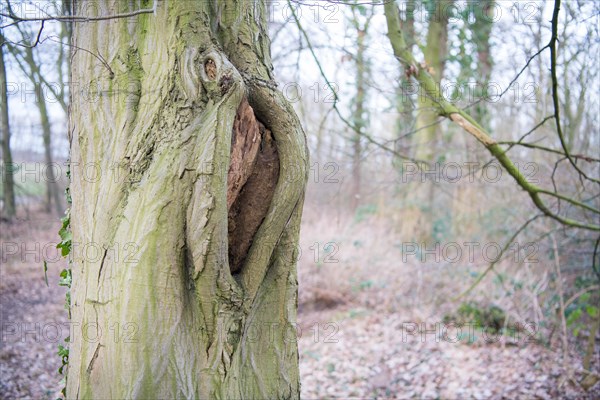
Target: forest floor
(33, 317)
(360, 347)
(375, 356)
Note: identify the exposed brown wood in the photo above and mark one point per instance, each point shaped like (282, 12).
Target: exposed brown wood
(245, 142)
(252, 176)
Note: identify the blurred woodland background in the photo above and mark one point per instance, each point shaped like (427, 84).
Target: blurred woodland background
(409, 223)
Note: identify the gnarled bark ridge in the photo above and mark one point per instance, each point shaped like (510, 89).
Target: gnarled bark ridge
(160, 309)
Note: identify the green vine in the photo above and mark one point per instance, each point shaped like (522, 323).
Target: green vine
(64, 245)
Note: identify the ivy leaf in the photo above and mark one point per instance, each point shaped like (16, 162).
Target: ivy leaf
(65, 249)
(65, 278)
(46, 273)
(63, 351)
(65, 235)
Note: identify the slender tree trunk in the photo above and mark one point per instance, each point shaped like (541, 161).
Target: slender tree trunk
(177, 319)
(435, 53)
(465, 205)
(404, 105)
(427, 136)
(405, 123)
(481, 33)
(8, 184)
(359, 115)
(53, 196)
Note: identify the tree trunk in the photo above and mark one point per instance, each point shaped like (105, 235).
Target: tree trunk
(427, 131)
(177, 320)
(53, 196)
(435, 53)
(360, 118)
(481, 33)
(8, 183)
(466, 207)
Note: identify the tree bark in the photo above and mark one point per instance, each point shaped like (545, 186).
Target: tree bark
(8, 183)
(159, 131)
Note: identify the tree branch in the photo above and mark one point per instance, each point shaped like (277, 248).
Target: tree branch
(460, 117)
(555, 100)
(75, 18)
(547, 149)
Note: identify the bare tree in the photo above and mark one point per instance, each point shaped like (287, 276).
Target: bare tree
(8, 184)
(360, 111)
(29, 63)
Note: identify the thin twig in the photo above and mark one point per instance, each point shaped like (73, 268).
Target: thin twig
(74, 18)
(580, 293)
(98, 56)
(493, 263)
(555, 99)
(335, 95)
(514, 79)
(547, 149)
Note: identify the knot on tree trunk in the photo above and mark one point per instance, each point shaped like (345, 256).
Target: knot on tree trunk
(251, 180)
(210, 70)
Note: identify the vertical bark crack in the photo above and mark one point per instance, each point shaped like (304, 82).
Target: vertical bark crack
(93, 359)
(251, 181)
